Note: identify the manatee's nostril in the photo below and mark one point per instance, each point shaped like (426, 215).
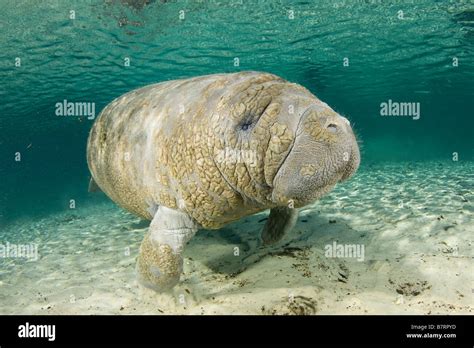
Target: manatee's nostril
(332, 128)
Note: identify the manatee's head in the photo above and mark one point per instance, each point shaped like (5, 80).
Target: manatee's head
(324, 152)
(300, 148)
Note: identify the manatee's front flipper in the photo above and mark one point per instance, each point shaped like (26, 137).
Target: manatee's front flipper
(160, 262)
(93, 187)
(280, 221)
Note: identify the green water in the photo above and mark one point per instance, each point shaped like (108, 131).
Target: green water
(354, 55)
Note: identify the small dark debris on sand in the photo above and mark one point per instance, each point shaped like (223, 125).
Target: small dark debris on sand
(412, 288)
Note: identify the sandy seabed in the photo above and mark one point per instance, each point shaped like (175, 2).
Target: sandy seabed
(414, 221)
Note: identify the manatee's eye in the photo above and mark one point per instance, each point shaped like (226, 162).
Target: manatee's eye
(332, 128)
(245, 126)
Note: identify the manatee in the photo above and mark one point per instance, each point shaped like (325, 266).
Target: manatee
(203, 152)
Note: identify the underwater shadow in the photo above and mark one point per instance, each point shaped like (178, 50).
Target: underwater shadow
(245, 236)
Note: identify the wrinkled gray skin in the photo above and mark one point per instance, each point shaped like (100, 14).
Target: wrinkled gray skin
(202, 152)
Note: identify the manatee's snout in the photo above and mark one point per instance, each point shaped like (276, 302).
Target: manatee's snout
(324, 152)
(352, 155)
